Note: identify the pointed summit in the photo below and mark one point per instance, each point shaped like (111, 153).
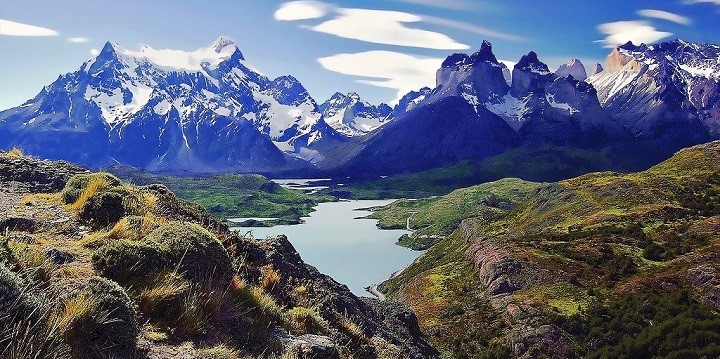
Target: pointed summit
(222, 42)
(485, 54)
(574, 68)
(531, 63)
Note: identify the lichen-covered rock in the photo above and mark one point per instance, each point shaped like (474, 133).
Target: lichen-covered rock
(311, 346)
(57, 256)
(33, 175)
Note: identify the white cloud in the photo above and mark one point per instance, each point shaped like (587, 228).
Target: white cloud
(510, 64)
(470, 28)
(716, 2)
(445, 4)
(665, 15)
(12, 28)
(94, 52)
(386, 27)
(302, 10)
(637, 31)
(387, 69)
(77, 40)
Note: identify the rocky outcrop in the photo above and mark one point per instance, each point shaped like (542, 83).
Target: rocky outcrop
(311, 346)
(541, 342)
(494, 267)
(705, 279)
(33, 175)
(334, 301)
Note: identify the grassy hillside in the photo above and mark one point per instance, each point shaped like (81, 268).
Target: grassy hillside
(436, 217)
(601, 265)
(236, 195)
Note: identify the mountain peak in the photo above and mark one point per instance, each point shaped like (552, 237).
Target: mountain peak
(574, 68)
(223, 42)
(485, 54)
(455, 60)
(531, 63)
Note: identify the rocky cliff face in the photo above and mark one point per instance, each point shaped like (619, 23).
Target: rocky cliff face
(574, 68)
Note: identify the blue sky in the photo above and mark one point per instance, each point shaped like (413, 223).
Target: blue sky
(376, 48)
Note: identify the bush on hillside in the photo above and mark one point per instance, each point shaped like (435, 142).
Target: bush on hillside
(79, 183)
(99, 321)
(194, 251)
(125, 261)
(24, 327)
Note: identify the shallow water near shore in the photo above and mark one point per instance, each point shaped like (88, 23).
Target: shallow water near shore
(352, 251)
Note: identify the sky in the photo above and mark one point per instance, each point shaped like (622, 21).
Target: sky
(380, 49)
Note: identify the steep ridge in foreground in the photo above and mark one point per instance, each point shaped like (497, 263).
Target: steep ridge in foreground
(105, 269)
(599, 266)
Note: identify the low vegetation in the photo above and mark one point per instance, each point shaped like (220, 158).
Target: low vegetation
(236, 195)
(602, 265)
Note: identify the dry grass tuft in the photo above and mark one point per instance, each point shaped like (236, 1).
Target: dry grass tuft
(34, 199)
(303, 320)
(220, 351)
(96, 185)
(76, 309)
(349, 327)
(269, 278)
(14, 153)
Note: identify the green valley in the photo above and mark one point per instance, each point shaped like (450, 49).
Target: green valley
(236, 195)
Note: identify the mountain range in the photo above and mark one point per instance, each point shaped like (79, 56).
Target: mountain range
(210, 111)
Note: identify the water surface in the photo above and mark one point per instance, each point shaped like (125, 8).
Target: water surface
(352, 251)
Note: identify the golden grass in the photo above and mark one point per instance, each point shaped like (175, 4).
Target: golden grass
(76, 309)
(153, 334)
(269, 278)
(41, 199)
(220, 351)
(14, 153)
(303, 320)
(352, 329)
(300, 294)
(94, 240)
(168, 287)
(27, 256)
(96, 185)
(133, 228)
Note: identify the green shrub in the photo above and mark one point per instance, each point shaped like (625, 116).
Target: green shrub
(103, 209)
(100, 322)
(126, 261)
(303, 320)
(78, 183)
(193, 251)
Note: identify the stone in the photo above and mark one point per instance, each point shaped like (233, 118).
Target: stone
(57, 256)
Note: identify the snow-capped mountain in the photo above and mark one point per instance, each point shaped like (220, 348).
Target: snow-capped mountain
(665, 90)
(205, 110)
(474, 113)
(209, 110)
(351, 116)
(574, 68)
